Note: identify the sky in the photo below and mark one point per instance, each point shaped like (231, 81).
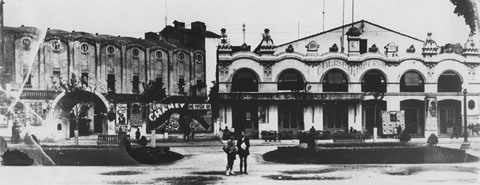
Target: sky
(288, 20)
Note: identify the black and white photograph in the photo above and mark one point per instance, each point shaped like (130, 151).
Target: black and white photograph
(204, 92)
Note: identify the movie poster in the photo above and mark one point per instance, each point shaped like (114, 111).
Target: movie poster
(122, 114)
(431, 119)
(135, 115)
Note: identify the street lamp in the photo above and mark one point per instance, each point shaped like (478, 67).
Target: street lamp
(465, 145)
(465, 132)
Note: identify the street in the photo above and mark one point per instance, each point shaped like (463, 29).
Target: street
(204, 164)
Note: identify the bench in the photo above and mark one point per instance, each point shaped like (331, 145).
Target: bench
(269, 135)
(348, 138)
(111, 139)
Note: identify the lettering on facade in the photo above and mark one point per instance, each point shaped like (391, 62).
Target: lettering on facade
(352, 70)
(202, 106)
(157, 109)
(290, 96)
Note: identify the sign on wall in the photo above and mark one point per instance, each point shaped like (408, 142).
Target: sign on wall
(392, 120)
(122, 114)
(431, 119)
(135, 115)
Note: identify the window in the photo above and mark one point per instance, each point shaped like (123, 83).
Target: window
(84, 48)
(26, 43)
(84, 79)
(290, 80)
(374, 81)
(135, 52)
(181, 85)
(363, 46)
(136, 82)
(181, 56)
(56, 45)
(159, 55)
(290, 116)
(412, 82)
(111, 83)
(245, 81)
(335, 81)
(27, 77)
(449, 82)
(110, 50)
(56, 74)
(199, 59)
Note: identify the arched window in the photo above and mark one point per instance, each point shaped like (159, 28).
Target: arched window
(335, 81)
(245, 81)
(449, 82)
(290, 80)
(412, 82)
(374, 81)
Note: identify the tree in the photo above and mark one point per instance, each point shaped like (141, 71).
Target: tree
(466, 9)
(154, 90)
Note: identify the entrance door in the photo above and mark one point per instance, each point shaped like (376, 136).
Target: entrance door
(449, 115)
(335, 116)
(414, 116)
(245, 117)
(290, 119)
(370, 109)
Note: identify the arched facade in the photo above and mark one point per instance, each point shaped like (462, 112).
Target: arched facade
(114, 71)
(354, 89)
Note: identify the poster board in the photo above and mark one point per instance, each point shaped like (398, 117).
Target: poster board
(122, 115)
(391, 120)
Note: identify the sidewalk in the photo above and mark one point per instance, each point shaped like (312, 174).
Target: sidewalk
(177, 141)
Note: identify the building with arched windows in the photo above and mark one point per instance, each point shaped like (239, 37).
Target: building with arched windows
(55, 82)
(352, 76)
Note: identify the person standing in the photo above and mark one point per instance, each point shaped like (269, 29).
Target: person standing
(137, 134)
(231, 151)
(399, 131)
(455, 132)
(243, 145)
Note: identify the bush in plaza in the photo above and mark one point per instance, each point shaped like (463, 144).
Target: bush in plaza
(16, 158)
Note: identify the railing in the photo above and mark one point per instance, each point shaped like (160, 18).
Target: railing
(110, 139)
(349, 138)
(38, 94)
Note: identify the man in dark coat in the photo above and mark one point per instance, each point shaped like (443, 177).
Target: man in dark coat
(243, 145)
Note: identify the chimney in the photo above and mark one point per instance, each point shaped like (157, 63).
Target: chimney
(179, 25)
(152, 36)
(198, 35)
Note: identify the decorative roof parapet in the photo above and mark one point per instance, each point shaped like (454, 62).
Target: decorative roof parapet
(470, 47)
(430, 47)
(353, 32)
(224, 44)
(266, 46)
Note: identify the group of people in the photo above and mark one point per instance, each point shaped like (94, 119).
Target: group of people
(188, 132)
(474, 129)
(240, 148)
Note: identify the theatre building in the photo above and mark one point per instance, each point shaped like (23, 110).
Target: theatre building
(56, 82)
(355, 76)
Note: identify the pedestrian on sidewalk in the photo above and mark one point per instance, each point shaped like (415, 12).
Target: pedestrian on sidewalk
(243, 145)
(399, 131)
(455, 132)
(137, 134)
(231, 151)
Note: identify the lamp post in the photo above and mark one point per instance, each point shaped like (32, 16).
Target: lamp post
(465, 145)
(465, 131)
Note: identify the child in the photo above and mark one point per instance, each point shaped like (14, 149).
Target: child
(231, 151)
